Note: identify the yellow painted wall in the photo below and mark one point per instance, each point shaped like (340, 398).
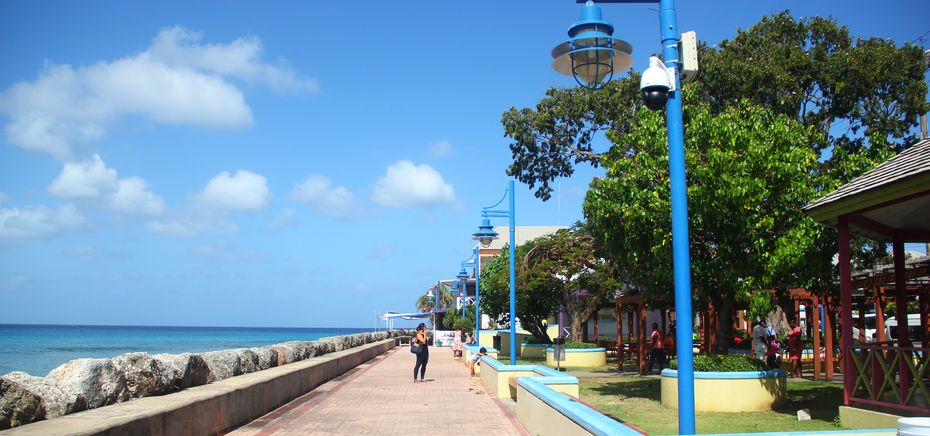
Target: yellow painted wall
(486, 338)
(729, 395)
(591, 359)
(467, 355)
(538, 418)
(532, 352)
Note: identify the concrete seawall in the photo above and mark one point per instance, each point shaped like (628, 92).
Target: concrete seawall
(211, 408)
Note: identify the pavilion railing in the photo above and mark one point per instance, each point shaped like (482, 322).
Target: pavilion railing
(890, 376)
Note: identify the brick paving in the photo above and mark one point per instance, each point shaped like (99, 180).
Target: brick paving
(379, 397)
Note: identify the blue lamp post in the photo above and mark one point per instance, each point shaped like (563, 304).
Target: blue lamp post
(477, 263)
(463, 280)
(485, 235)
(592, 56)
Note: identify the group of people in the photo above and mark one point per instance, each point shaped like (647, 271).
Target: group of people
(457, 344)
(765, 346)
(419, 345)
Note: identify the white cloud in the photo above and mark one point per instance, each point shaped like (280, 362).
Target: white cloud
(185, 226)
(93, 180)
(407, 185)
(132, 197)
(334, 201)
(224, 252)
(243, 191)
(286, 218)
(34, 222)
(240, 59)
(87, 179)
(176, 80)
(441, 149)
(81, 252)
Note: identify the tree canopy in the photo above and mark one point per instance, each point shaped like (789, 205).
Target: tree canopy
(538, 293)
(783, 113)
(862, 94)
(747, 181)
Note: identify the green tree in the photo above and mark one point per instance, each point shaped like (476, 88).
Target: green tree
(862, 95)
(748, 179)
(588, 279)
(425, 303)
(453, 319)
(538, 293)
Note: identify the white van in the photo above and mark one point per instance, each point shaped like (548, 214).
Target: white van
(869, 327)
(913, 328)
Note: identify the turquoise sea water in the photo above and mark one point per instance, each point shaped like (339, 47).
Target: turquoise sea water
(37, 349)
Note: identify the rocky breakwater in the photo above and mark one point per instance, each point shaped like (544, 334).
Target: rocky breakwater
(90, 383)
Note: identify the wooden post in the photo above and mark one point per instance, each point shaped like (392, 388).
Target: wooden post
(862, 321)
(924, 303)
(842, 227)
(642, 338)
(629, 323)
(880, 314)
(618, 308)
(829, 335)
(904, 340)
(815, 327)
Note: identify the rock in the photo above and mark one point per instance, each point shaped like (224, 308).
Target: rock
(248, 360)
(281, 354)
(98, 380)
(223, 364)
(267, 357)
(55, 401)
(143, 376)
(185, 370)
(18, 405)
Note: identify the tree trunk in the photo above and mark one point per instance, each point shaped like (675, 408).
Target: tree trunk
(724, 326)
(580, 316)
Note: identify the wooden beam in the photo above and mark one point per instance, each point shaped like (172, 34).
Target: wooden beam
(642, 338)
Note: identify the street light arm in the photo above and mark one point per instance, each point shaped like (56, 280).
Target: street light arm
(486, 208)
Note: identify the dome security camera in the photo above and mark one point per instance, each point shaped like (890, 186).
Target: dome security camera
(655, 84)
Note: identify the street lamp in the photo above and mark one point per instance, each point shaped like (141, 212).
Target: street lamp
(594, 56)
(463, 280)
(485, 235)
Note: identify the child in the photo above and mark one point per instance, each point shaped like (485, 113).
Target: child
(474, 360)
(772, 352)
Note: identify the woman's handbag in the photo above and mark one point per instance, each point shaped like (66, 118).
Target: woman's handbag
(414, 346)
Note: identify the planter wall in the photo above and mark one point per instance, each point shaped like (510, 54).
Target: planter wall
(533, 351)
(729, 391)
(579, 357)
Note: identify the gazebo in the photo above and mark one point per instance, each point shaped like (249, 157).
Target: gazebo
(890, 203)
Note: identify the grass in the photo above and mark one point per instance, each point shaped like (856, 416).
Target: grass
(636, 400)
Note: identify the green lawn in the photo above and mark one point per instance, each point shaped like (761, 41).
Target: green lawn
(636, 400)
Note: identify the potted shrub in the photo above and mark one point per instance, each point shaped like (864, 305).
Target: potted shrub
(579, 354)
(728, 384)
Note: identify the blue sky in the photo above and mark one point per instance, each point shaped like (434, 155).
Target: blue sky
(287, 163)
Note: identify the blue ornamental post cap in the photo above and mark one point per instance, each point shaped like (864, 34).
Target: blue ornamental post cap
(463, 275)
(592, 55)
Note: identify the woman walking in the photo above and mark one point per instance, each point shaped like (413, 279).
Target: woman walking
(423, 354)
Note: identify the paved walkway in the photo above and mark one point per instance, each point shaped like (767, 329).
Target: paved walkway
(380, 398)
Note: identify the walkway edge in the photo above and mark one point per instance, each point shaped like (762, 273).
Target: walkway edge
(212, 408)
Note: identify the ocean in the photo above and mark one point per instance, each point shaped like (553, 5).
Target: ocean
(37, 349)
